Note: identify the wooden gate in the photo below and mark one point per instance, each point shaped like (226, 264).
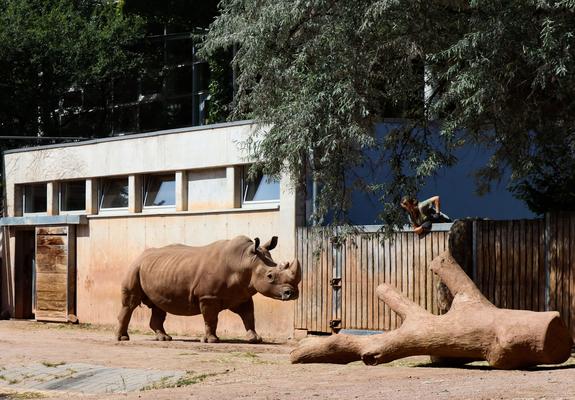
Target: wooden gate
(339, 283)
(55, 293)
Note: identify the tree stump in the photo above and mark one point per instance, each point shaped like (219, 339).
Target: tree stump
(473, 329)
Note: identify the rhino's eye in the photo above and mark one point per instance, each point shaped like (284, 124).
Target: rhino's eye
(270, 276)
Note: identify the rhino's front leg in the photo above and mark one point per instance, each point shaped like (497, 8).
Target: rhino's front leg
(246, 312)
(210, 308)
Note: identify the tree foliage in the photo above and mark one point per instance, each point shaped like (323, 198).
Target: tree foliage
(319, 73)
(49, 46)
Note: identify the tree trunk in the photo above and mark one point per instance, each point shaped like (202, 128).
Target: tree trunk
(473, 329)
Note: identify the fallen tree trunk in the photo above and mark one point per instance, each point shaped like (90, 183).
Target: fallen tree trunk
(473, 329)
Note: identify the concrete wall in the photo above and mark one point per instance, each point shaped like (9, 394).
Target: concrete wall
(106, 247)
(207, 164)
(209, 147)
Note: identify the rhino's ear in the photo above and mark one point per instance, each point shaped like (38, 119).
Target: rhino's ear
(271, 244)
(256, 245)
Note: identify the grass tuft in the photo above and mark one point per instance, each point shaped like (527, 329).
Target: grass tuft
(53, 364)
(190, 378)
(21, 395)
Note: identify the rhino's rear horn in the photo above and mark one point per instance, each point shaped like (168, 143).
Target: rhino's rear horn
(256, 244)
(271, 244)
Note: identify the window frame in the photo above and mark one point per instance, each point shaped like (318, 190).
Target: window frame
(24, 186)
(244, 191)
(60, 197)
(145, 183)
(102, 182)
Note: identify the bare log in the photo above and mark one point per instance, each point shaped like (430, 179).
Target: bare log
(473, 329)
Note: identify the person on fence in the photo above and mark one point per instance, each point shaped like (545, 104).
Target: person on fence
(423, 214)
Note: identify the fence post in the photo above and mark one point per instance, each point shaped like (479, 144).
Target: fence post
(474, 251)
(547, 247)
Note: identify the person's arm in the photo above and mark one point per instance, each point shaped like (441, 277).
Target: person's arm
(434, 200)
(418, 229)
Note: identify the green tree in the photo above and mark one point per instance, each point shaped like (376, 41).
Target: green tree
(320, 73)
(50, 46)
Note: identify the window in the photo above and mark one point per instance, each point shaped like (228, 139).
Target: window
(262, 188)
(35, 198)
(114, 193)
(73, 196)
(160, 191)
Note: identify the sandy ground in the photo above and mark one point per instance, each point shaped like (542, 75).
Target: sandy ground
(237, 370)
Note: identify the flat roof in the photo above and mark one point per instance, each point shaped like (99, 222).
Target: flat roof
(129, 136)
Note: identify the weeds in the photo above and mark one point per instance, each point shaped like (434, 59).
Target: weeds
(190, 378)
(53, 364)
(21, 395)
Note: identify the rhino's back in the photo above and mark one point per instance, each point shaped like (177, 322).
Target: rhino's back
(175, 277)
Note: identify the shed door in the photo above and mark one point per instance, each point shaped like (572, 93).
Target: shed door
(55, 273)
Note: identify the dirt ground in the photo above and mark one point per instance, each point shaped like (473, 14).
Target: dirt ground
(236, 370)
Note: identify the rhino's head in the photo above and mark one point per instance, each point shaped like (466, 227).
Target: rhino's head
(275, 280)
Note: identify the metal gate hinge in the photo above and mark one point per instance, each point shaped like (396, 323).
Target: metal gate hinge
(335, 324)
(335, 283)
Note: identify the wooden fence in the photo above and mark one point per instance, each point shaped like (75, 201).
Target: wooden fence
(522, 264)
(339, 280)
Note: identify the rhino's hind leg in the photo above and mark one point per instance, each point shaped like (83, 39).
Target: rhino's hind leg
(210, 309)
(129, 304)
(157, 323)
(246, 312)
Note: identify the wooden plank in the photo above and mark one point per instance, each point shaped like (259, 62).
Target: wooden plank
(495, 264)
(528, 264)
(51, 316)
(52, 266)
(481, 250)
(308, 284)
(503, 267)
(52, 230)
(417, 242)
(48, 281)
(428, 273)
(297, 303)
(50, 295)
(572, 275)
(394, 275)
(565, 265)
(495, 280)
(46, 304)
(385, 251)
(360, 288)
(370, 293)
(552, 260)
(404, 263)
(325, 283)
(379, 279)
(530, 244)
(302, 291)
(56, 258)
(522, 273)
(435, 249)
(539, 265)
(487, 255)
(517, 283)
(51, 240)
(346, 285)
(313, 257)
